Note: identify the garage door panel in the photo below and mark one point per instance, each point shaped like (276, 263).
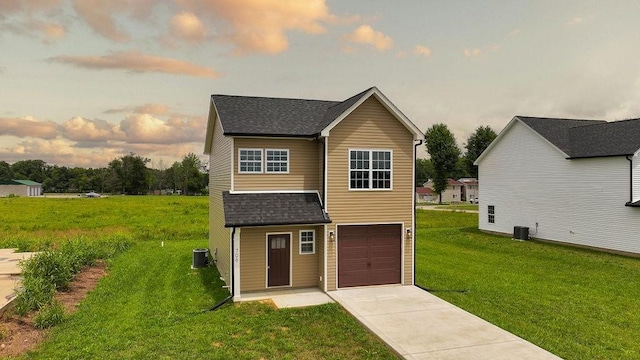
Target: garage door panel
(369, 254)
(383, 277)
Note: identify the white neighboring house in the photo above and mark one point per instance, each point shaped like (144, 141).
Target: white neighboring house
(571, 181)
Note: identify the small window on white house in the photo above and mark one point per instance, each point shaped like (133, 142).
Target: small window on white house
(491, 211)
(277, 161)
(307, 242)
(250, 161)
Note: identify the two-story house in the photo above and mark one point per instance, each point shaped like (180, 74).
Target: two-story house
(311, 193)
(568, 180)
(452, 194)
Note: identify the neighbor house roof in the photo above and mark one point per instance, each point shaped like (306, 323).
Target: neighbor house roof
(424, 191)
(582, 138)
(588, 138)
(633, 204)
(283, 117)
(262, 209)
(20, 182)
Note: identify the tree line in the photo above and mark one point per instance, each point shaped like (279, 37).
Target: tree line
(447, 160)
(128, 174)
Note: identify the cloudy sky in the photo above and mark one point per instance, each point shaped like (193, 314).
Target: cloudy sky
(85, 81)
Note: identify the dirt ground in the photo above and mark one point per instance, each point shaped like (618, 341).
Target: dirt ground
(19, 335)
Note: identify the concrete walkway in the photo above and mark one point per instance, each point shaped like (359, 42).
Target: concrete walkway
(9, 274)
(418, 325)
(289, 298)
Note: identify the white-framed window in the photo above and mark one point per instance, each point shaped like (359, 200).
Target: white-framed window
(491, 212)
(370, 169)
(250, 161)
(307, 242)
(277, 161)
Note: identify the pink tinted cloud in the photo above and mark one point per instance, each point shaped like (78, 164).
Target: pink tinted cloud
(153, 109)
(137, 62)
(81, 129)
(366, 35)
(260, 26)
(28, 127)
(98, 14)
(144, 128)
(187, 26)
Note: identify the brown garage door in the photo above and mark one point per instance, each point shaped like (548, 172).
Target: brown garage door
(369, 254)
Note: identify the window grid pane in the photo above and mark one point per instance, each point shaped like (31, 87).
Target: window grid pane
(369, 169)
(306, 242)
(277, 161)
(251, 161)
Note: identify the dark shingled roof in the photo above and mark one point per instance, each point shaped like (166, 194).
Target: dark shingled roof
(260, 116)
(261, 209)
(588, 138)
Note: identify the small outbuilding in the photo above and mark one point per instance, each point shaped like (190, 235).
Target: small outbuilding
(20, 188)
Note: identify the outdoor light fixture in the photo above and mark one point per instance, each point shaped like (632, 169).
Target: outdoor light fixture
(332, 236)
(408, 234)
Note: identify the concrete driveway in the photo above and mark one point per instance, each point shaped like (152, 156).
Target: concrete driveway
(418, 325)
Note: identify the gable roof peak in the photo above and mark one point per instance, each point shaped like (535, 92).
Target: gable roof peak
(290, 117)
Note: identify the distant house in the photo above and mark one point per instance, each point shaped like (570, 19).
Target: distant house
(311, 193)
(453, 192)
(424, 194)
(571, 181)
(20, 188)
(470, 189)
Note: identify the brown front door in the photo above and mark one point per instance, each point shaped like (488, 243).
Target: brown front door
(369, 254)
(279, 259)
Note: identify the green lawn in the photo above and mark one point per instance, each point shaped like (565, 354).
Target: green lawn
(150, 305)
(578, 304)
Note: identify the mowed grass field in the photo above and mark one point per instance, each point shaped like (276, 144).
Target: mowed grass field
(150, 306)
(576, 303)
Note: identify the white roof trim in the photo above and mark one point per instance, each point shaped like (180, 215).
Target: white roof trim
(503, 133)
(417, 134)
(208, 140)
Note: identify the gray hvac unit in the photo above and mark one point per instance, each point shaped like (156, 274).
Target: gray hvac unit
(521, 233)
(199, 258)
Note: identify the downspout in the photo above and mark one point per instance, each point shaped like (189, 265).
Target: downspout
(415, 176)
(630, 180)
(225, 300)
(324, 171)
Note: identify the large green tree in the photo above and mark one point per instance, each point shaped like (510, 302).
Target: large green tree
(476, 144)
(34, 170)
(129, 173)
(191, 174)
(443, 150)
(424, 171)
(6, 173)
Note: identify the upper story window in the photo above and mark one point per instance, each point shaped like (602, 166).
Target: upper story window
(277, 161)
(250, 161)
(370, 169)
(274, 161)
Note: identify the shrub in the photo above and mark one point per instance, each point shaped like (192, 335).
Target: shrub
(35, 293)
(52, 270)
(50, 315)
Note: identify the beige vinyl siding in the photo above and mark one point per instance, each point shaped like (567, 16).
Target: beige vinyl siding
(370, 126)
(253, 261)
(320, 253)
(219, 181)
(303, 165)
